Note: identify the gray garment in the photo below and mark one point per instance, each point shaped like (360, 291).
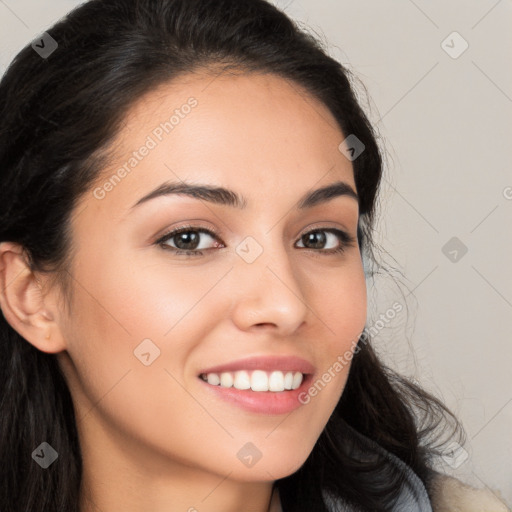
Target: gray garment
(413, 498)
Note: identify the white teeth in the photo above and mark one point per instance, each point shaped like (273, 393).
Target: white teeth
(276, 381)
(297, 380)
(213, 379)
(258, 380)
(226, 380)
(288, 380)
(242, 380)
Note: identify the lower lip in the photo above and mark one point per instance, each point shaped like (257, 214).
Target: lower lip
(262, 402)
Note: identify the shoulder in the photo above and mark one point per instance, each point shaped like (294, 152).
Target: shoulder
(449, 494)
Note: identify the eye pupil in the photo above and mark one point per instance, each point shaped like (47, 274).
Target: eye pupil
(188, 237)
(317, 238)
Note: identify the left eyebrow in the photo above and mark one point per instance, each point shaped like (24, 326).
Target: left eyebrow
(224, 196)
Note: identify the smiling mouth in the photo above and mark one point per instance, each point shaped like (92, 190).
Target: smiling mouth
(256, 380)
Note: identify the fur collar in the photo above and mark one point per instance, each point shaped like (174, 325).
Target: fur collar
(448, 494)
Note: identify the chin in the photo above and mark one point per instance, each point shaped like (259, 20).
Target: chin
(275, 467)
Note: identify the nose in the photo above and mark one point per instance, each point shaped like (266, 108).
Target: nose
(267, 292)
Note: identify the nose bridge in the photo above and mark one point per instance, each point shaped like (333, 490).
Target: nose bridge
(268, 288)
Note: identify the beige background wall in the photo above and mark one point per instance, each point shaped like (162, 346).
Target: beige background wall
(444, 112)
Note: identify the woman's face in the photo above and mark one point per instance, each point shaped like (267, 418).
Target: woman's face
(146, 321)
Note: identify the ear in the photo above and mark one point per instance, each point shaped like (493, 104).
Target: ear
(23, 302)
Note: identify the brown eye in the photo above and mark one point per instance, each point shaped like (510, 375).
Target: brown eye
(314, 239)
(189, 239)
(318, 238)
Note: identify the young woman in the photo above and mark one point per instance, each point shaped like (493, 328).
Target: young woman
(187, 201)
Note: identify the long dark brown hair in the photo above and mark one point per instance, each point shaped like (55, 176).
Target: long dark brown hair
(58, 115)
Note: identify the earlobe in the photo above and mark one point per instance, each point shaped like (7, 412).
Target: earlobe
(23, 303)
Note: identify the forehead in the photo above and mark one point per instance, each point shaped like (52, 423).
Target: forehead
(257, 133)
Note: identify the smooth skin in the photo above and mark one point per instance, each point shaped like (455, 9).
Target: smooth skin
(153, 437)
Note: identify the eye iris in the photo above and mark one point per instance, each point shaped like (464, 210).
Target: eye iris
(317, 238)
(188, 237)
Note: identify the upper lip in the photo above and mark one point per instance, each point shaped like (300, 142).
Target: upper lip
(268, 363)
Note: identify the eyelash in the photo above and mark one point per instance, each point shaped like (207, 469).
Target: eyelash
(346, 240)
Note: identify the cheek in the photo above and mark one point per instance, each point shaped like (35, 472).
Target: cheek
(111, 385)
(153, 301)
(343, 303)
(340, 303)
(127, 310)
